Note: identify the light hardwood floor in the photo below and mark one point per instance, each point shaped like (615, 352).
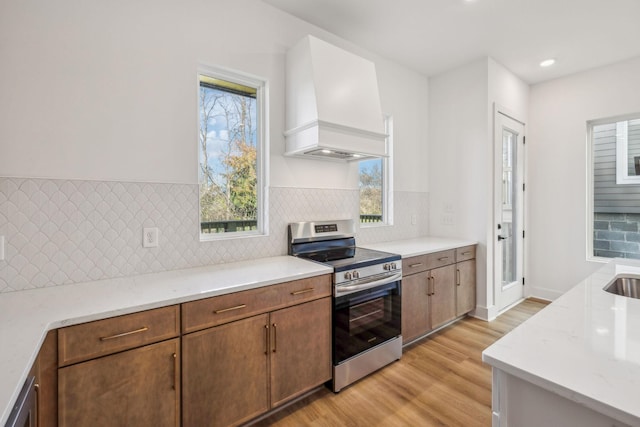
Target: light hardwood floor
(440, 381)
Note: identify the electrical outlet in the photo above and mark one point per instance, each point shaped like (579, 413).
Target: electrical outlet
(150, 237)
(448, 219)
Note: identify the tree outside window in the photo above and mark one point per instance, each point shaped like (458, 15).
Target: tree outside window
(375, 185)
(228, 156)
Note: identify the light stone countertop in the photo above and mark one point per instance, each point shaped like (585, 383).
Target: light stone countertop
(26, 316)
(419, 246)
(585, 346)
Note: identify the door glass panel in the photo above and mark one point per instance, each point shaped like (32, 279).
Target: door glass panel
(509, 206)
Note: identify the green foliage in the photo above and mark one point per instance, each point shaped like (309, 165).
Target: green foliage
(243, 181)
(228, 178)
(371, 189)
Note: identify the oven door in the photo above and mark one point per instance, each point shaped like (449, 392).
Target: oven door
(365, 319)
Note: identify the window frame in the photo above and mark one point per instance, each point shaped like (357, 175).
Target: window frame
(387, 181)
(261, 86)
(591, 177)
(622, 152)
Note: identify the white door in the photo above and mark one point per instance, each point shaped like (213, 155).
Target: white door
(509, 210)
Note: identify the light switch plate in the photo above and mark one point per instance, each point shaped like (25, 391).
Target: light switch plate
(150, 237)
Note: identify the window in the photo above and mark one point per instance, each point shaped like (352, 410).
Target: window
(615, 187)
(231, 151)
(628, 151)
(375, 186)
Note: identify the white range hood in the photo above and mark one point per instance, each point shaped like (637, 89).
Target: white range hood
(333, 104)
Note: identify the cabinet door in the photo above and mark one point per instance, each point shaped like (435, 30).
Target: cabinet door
(46, 373)
(415, 306)
(466, 289)
(225, 373)
(139, 387)
(443, 295)
(300, 349)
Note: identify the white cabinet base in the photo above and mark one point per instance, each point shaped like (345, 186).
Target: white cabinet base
(518, 403)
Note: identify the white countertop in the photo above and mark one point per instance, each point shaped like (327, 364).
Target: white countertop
(26, 316)
(585, 346)
(419, 246)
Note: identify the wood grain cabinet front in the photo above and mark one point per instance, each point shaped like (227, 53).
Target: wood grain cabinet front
(45, 371)
(94, 339)
(239, 370)
(139, 387)
(436, 288)
(121, 371)
(466, 287)
(222, 309)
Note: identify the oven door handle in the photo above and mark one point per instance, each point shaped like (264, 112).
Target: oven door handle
(367, 285)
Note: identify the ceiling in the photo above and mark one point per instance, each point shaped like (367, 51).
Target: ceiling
(432, 36)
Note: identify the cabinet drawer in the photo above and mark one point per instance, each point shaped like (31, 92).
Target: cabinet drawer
(465, 253)
(214, 311)
(420, 263)
(94, 339)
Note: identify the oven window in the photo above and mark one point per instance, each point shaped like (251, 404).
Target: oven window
(366, 316)
(363, 320)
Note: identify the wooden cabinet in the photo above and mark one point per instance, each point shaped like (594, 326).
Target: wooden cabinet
(465, 287)
(121, 371)
(224, 373)
(442, 301)
(415, 306)
(301, 349)
(436, 289)
(236, 371)
(45, 371)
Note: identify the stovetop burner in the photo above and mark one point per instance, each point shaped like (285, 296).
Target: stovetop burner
(360, 257)
(334, 247)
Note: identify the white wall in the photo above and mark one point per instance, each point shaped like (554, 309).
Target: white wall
(557, 150)
(101, 90)
(461, 157)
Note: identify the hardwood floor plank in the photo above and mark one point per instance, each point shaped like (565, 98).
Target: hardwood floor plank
(440, 381)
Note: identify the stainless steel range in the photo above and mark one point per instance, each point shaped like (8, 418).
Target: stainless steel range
(366, 297)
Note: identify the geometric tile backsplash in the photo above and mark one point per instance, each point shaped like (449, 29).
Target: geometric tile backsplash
(66, 231)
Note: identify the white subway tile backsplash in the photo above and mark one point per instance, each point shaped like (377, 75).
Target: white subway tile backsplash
(62, 231)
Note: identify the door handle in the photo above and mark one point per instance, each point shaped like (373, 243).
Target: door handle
(503, 238)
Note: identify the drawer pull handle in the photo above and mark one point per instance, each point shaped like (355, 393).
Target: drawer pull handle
(418, 264)
(466, 253)
(124, 334)
(224, 310)
(266, 339)
(275, 337)
(443, 258)
(175, 371)
(303, 291)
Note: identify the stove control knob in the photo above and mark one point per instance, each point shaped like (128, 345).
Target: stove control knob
(347, 275)
(356, 275)
(386, 267)
(393, 266)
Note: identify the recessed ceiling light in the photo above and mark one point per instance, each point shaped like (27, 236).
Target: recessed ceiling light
(548, 62)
